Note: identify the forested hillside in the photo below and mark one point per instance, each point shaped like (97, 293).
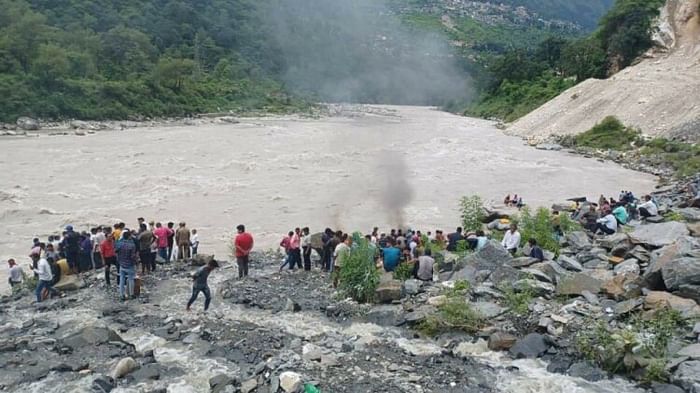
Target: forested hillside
(97, 59)
(114, 59)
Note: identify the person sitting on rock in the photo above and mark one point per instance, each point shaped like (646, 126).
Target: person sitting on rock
(620, 213)
(519, 203)
(506, 200)
(535, 250)
(391, 256)
(423, 267)
(200, 284)
(607, 224)
(589, 219)
(511, 240)
(453, 239)
(648, 208)
(481, 240)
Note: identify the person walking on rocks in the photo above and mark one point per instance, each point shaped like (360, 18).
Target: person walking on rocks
(244, 245)
(182, 238)
(306, 247)
(200, 284)
(15, 276)
(109, 257)
(285, 244)
(43, 271)
(127, 259)
(511, 240)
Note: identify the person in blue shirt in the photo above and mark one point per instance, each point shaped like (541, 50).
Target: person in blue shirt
(535, 250)
(391, 257)
(620, 213)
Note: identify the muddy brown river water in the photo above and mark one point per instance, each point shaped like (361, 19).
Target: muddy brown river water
(276, 173)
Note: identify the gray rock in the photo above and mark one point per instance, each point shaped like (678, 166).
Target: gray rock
(538, 288)
(501, 341)
(102, 384)
(386, 315)
(683, 275)
(691, 351)
(249, 385)
(578, 240)
(590, 297)
(149, 371)
(531, 346)
(691, 214)
(28, 124)
(687, 376)
(311, 352)
(628, 266)
(627, 306)
(549, 146)
(586, 371)
(290, 381)
(292, 306)
(660, 258)
(569, 263)
(538, 275)
(411, 286)
(576, 283)
(388, 291)
(610, 242)
(419, 314)
(91, 336)
(665, 388)
(488, 309)
(491, 256)
(659, 235)
(124, 367)
(69, 283)
(219, 382)
(523, 262)
(505, 275)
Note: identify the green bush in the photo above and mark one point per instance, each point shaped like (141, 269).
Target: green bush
(684, 158)
(454, 315)
(403, 272)
(472, 213)
(518, 302)
(359, 276)
(539, 227)
(609, 134)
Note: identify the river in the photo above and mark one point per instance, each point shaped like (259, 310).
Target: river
(275, 173)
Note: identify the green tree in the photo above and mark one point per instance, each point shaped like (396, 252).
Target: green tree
(584, 59)
(173, 73)
(51, 63)
(125, 50)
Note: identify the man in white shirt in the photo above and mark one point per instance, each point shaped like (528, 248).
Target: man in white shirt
(511, 240)
(15, 273)
(342, 250)
(607, 224)
(306, 247)
(45, 276)
(648, 208)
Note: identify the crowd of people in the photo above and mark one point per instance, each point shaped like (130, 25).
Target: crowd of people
(106, 246)
(125, 249)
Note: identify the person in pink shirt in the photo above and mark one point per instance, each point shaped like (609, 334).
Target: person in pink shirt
(295, 250)
(161, 233)
(285, 243)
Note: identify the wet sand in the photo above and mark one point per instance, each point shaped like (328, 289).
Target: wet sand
(273, 174)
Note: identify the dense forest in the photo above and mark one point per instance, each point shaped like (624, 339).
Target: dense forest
(97, 59)
(522, 79)
(101, 59)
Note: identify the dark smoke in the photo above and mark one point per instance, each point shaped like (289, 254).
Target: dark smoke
(395, 191)
(359, 51)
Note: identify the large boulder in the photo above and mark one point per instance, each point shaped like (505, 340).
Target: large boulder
(531, 346)
(587, 371)
(623, 286)
(683, 277)
(690, 214)
(501, 341)
(506, 275)
(576, 283)
(290, 381)
(687, 376)
(578, 241)
(491, 256)
(685, 246)
(628, 266)
(659, 235)
(691, 351)
(612, 241)
(569, 263)
(90, 336)
(28, 124)
(388, 291)
(656, 300)
(386, 315)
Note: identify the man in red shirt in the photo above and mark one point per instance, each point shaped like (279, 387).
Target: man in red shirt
(109, 257)
(162, 233)
(244, 244)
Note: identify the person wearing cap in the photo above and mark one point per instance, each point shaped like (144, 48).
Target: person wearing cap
(71, 246)
(126, 257)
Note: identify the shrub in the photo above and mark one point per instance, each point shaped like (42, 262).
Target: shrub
(538, 227)
(472, 211)
(454, 315)
(517, 301)
(684, 158)
(403, 272)
(359, 277)
(609, 134)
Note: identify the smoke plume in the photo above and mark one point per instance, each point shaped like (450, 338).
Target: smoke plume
(361, 51)
(395, 193)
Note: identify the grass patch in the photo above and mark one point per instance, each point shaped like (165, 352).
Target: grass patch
(453, 315)
(684, 158)
(359, 276)
(518, 302)
(608, 134)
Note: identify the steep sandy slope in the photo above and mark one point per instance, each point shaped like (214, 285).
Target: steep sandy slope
(660, 95)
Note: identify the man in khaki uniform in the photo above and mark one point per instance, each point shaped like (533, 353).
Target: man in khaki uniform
(182, 239)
